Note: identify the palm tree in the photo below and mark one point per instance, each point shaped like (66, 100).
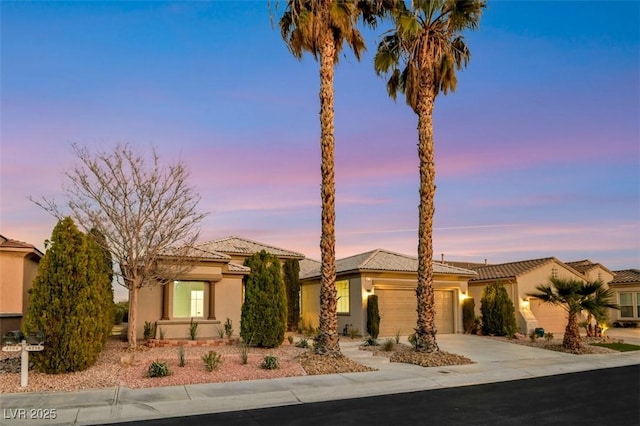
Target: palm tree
(421, 56)
(575, 296)
(322, 27)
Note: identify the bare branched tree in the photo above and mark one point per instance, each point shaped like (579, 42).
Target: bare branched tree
(145, 210)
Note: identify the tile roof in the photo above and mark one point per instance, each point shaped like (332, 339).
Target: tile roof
(234, 267)
(309, 266)
(198, 253)
(8, 243)
(583, 266)
(510, 270)
(626, 276)
(237, 245)
(384, 260)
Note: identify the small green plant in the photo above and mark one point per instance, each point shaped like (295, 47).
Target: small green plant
(389, 345)
(373, 316)
(353, 332)
(303, 343)
(290, 339)
(270, 363)
(548, 337)
(370, 341)
(162, 333)
(193, 330)
(181, 357)
(212, 360)
(398, 336)
(220, 332)
(228, 328)
(158, 369)
(413, 339)
(533, 335)
(149, 330)
(244, 353)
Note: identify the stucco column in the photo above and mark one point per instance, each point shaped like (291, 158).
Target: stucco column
(165, 301)
(212, 300)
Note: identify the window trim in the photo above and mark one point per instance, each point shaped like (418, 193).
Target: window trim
(339, 297)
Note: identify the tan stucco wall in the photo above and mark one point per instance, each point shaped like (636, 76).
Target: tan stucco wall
(18, 270)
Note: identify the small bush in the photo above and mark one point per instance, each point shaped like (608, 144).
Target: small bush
(270, 363)
(228, 328)
(468, 315)
(149, 330)
(498, 312)
(413, 340)
(354, 332)
(162, 333)
(193, 330)
(181, 357)
(533, 335)
(220, 332)
(389, 345)
(548, 337)
(303, 343)
(212, 360)
(118, 316)
(158, 369)
(398, 331)
(370, 341)
(244, 353)
(290, 339)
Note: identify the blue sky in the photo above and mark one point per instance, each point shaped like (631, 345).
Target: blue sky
(537, 152)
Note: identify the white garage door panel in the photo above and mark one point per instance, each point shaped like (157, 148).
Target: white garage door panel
(550, 317)
(398, 311)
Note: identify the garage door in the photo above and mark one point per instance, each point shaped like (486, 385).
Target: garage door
(550, 317)
(398, 311)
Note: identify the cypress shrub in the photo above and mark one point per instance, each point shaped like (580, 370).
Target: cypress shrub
(291, 269)
(373, 316)
(468, 314)
(498, 313)
(65, 304)
(264, 311)
(100, 275)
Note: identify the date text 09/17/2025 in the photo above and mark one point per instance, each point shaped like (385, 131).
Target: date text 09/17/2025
(29, 413)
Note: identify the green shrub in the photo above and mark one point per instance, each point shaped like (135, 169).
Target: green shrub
(193, 330)
(71, 301)
(181, 357)
(220, 332)
(228, 328)
(468, 315)
(149, 330)
(413, 340)
(158, 369)
(498, 313)
(303, 343)
(398, 331)
(548, 337)
(264, 311)
(291, 269)
(118, 316)
(370, 341)
(388, 345)
(290, 339)
(354, 332)
(373, 316)
(212, 360)
(270, 363)
(244, 353)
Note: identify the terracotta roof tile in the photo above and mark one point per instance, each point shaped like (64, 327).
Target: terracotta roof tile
(509, 270)
(626, 276)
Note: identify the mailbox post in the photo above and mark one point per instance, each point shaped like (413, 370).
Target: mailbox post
(33, 343)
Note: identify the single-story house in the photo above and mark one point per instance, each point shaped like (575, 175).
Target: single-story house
(208, 294)
(626, 286)
(19, 265)
(393, 277)
(521, 278)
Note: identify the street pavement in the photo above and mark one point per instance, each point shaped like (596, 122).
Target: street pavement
(495, 362)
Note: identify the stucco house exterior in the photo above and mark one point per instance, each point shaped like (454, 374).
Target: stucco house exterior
(626, 286)
(393, 277)
(521, 278)
(208, 294)
(19, 265)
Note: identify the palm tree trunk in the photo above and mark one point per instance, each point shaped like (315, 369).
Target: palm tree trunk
(426, 324)
(327, 339)
(571, 338)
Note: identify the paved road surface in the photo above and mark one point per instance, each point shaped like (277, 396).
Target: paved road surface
(600, 397)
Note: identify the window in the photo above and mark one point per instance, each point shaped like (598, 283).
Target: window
(629, 305)
(343, 296)
(188, 299)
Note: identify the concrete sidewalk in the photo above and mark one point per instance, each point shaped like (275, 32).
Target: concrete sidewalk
(495, 361)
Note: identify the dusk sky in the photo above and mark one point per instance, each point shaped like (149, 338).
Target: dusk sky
(537, 152)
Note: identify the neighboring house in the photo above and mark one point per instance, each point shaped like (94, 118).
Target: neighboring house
(208, 294)
(592, 271)
(520, 279)
(626, 285)
(393, 277)
(18, 268)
